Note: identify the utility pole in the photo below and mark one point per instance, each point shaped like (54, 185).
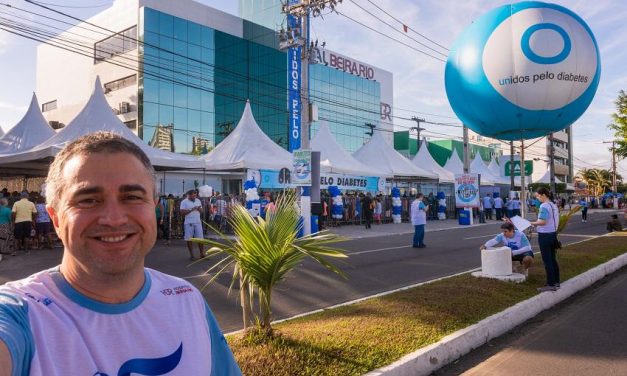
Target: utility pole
(511, 166)
(552, 164)
(614, 182)
(418, 129)
(466, 156)
(523, 192)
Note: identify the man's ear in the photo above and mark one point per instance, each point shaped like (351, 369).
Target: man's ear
(53, 216)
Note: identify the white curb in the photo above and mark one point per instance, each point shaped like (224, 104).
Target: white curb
(455, 345)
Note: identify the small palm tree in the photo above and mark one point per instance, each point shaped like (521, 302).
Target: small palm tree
(564, 218)
(265, 251)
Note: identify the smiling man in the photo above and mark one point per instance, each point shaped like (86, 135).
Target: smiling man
(101, 311)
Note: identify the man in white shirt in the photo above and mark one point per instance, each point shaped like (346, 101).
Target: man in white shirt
(102, 312)
(191, 208)
(418, 212)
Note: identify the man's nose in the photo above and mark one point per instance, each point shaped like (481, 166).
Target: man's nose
(113, 214)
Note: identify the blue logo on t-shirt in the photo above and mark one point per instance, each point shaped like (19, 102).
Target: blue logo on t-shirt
(512, 246)
(153, 367)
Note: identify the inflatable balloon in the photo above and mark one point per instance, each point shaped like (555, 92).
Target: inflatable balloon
(523, 71)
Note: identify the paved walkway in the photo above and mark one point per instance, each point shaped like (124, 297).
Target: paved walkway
(359, 231)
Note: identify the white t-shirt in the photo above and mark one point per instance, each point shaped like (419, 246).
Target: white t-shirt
(52, 329)
(194, 216)
(418, 213)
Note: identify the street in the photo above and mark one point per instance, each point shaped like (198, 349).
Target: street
(375, 265)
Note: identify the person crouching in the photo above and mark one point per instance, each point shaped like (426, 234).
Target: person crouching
(517, 242)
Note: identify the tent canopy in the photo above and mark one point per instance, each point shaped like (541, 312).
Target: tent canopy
(381, 156)
(247, 147)
(29, 132)
(423, 159)
(333, 158)
(454, 164)
(98, 116)
(477, 166)
(546, 178)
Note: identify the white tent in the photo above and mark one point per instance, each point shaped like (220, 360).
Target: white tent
(381, 156)
(1, 132)
(477, 166)
(494, 168)
(98, 116)
(247, 147)
(333, 158)
(29, 132)
(454, 164)
(423, 159)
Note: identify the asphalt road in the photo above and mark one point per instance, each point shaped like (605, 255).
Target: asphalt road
(584, 335)
(374, 265)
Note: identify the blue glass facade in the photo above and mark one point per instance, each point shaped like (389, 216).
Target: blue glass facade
(347, 102)
(196, 81)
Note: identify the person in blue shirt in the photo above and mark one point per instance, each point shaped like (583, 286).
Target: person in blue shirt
(418, 213)
(517, 242)
(546, 226)
(584, 210)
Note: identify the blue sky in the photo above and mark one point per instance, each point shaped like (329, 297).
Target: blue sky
(418, 79)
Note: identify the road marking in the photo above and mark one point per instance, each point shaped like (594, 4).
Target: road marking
(580, 236)
(378, 250)
(479, 237)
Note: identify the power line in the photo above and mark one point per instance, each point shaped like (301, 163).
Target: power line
(389, 37)
(75, 6)
(405, 25)
(395, 29)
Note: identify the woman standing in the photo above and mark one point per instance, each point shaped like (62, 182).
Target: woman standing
(546, 226)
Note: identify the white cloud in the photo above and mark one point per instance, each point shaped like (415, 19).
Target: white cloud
(12, 107)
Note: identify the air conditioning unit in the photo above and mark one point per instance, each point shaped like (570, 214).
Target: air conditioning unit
(125, 107)
(55, 124)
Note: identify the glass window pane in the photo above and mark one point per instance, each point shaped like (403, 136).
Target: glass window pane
(151, 20)
(193, 33)
(166, 24)
(180, 29)
(151, 90)
(180, 95)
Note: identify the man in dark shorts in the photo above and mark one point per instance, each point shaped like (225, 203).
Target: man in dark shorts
(23, 216)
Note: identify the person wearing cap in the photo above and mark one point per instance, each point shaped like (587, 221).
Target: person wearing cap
(23, 216)
(101, 311)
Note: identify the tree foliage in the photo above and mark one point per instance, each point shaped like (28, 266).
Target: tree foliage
(265, 251)
(598, 180)
(619, 124)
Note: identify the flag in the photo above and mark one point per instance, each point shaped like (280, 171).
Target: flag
(405, 28)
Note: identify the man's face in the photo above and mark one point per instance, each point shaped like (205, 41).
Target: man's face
(508, 233)
(106, 214)
(192, 196)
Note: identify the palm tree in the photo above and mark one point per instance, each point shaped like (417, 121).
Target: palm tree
(596, 179)
(265, 251)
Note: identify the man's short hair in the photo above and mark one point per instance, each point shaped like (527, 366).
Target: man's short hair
(98, 142)
(507, 226)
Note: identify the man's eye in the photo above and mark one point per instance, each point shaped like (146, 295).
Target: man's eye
(87, 202)
(133, 198)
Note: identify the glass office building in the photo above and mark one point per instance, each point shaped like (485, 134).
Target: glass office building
(184, 85)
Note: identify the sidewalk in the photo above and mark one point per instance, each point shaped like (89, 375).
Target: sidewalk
(386, 229)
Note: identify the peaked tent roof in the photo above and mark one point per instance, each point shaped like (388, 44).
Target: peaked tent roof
(29, 132)
(98, 116)
(247, 147)
(381, 156)
(477, 166)
(494, 168)
(424, 160)
(454, 164)
(333, 158)
(1, 132)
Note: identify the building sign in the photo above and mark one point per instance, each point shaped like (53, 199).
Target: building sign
(273, 179)
(528, 168)
(301, 168)
(467, 190)
(294, 73)
(337, 61)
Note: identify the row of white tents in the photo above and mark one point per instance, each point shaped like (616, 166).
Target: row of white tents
(31, 144)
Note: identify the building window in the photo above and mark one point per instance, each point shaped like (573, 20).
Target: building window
(131, 124)
(116, 44)
(48, 106)
(121, 83)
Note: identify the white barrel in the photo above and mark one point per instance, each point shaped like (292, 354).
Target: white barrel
(496, 261)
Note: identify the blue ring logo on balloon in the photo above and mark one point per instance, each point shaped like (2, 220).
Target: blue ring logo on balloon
(526, 48)
(522, 71)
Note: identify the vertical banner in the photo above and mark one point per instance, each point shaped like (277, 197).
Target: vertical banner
(467, 190)
(301, 168)
(293, 79)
